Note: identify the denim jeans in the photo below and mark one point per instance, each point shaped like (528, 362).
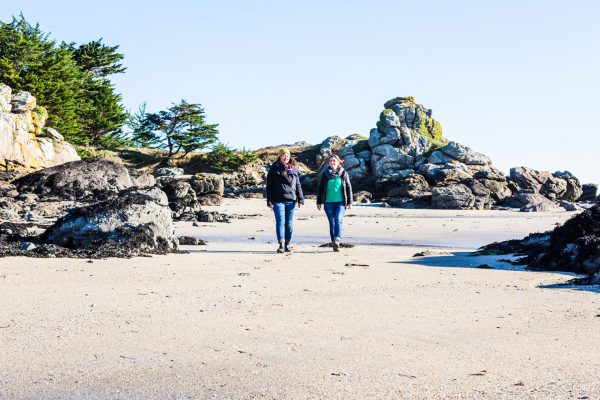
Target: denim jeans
(335, 213)
(284, 217)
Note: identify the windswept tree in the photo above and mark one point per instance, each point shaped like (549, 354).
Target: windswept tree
(70, 81)
(180, 129)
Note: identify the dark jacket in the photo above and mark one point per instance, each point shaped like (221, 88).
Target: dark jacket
(282, 188)
(346, 189)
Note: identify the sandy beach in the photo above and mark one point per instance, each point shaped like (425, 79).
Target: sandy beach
(235, 320)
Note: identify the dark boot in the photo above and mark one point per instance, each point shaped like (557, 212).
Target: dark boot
(280, 248)
(288, 249)
(336, 244)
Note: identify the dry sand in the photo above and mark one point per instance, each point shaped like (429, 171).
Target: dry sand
(234, 320)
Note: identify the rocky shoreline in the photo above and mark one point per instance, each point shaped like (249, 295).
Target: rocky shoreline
(99, 208)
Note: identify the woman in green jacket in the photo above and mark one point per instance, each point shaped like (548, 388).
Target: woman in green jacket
(335, 195)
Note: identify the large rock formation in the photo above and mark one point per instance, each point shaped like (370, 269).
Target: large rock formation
(94, 207)
(408, 163)
(136, 221)
(405, 131)
(25, 143)
(84, 180)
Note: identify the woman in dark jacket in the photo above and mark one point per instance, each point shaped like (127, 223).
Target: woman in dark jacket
(335, 193)
(284, 193)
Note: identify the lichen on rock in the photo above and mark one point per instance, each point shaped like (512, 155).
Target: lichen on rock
(25, 142)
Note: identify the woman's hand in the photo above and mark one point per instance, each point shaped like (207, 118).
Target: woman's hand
(349, 206)
(298, 205)
(319, 207)
(270, 206)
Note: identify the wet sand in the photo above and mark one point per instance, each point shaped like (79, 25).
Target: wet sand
(234, 320)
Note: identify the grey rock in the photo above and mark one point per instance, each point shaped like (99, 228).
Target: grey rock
(210, 199)
(182, 198)
(483, 195)
(84, 180)
(568, 206)
(208, 184)
(438, 157)
(419, 202)
(133, 222)
(536, 207)
(589, 192)
(574, 189)
(456, 196)
(190, 241)
(52, 134)
(529, 179)
(530, 200)
(404, 184)
(490, 173)
(212, 216)
(169, 171)
(455, 150)
(475, 158)
(499, 190)
(22, 102)
(445, 174)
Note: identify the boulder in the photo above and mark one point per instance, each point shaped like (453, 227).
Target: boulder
(169, 171)
(558, 186)
(573, 190)
(404, 184)
(589, 192)
(84, 180)
(483, 195)
(456, 196)
(529, 201)
(448, 173)
(208, 184)
(133, 222)
(183, 201)
(190, 241)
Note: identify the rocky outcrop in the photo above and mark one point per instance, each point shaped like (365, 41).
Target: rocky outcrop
(187, 193)
(557, 186)
(134, 222)
(408, 163)
(572, 247)
(25, 143)
(84, 180)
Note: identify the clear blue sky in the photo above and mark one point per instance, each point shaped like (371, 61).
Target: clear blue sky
(517, 80)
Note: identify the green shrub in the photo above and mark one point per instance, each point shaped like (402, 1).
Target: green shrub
(223, 158)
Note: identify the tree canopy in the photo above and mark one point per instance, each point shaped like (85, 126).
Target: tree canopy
(70, 81)
(180, 129)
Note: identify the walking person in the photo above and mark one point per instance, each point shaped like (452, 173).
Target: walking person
(335, 195)
(284, 194)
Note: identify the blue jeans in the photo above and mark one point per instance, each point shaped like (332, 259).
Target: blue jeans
(284, 216)
(335, 213)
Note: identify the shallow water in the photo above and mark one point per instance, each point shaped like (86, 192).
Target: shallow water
(458, 242)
